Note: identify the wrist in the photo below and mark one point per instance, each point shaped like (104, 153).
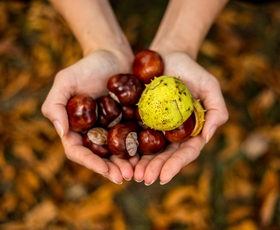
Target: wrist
(119, 47)
(94, 25)
(185, 25)
(122, 58)
(110, 38)
(169, 44)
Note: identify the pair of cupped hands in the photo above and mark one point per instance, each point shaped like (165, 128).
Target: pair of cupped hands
(90, 75)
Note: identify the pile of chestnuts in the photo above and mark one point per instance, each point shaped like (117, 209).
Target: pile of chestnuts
(111, 124)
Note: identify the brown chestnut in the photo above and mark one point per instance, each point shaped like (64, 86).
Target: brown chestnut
(147, 64)
(122, 140)
(125, 88)
(183, 132)
(96, 140)
(151, 141)
(129, 112)
(109, 111)
(82, 112)
(139, 120)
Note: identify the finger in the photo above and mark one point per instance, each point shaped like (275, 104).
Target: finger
(188, 152)
(140, 168)
(134, 160)
(114, 173)
(204, 86)
(54, 107)
(216, 111)
(75, 151)
(124, 166)
(154, 167)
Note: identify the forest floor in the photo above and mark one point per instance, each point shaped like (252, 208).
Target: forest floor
(235, 182)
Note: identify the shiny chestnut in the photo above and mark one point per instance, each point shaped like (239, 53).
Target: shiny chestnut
(96, 140)
(129, 112)
(109, 111)
(183, 132)
(139, 120)
(122, 140)
(147, 64)
(151, 141)
(125, 88)
(82, 112)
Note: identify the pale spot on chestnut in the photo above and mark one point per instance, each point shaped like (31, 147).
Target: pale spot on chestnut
(122, 140)
(131, 143)
(96, 139)
(98, 136)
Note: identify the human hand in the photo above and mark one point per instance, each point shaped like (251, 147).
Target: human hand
(89, 76)
(203, 86)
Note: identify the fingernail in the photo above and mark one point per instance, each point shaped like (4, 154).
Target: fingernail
(163, 183)
(58, 128)
(127, 179)
(148, 184)
(114, 181)
(138, 181)
(103, 173)
(211, 133)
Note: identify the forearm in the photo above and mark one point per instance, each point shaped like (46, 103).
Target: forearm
(185, 25)
(93, 23)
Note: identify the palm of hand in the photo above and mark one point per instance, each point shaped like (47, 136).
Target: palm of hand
(203, 86)
(89, 76)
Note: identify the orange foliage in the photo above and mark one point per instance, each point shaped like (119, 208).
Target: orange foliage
(234, 184)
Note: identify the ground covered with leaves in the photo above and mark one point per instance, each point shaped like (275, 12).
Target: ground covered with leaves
(234, 184)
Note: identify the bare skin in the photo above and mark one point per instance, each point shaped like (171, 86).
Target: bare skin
(107, 52)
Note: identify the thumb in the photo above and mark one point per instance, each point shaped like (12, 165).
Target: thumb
(216, 115)
(54, 108)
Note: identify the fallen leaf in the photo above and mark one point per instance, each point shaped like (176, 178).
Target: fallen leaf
(255, 145)
(245, 225)
(268, 207)
(41, 215)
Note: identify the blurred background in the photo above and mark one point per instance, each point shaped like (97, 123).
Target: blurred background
(234, 183)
